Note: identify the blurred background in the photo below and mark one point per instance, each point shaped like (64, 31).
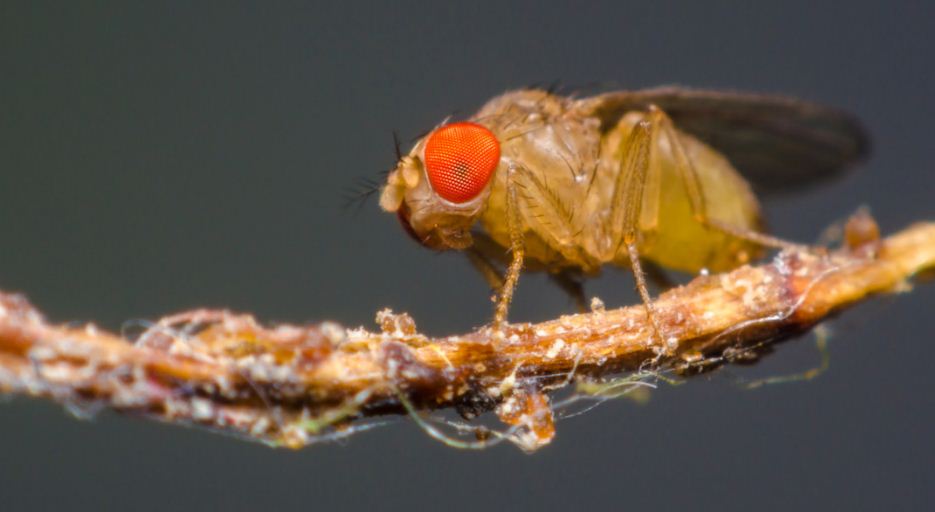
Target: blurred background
(162, 157)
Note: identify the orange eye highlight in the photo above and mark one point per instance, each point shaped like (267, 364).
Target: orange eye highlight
(460, 159)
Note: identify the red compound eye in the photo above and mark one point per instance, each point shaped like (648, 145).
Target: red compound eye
(460, 159)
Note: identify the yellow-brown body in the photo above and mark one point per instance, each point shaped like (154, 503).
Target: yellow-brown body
(566, 183)
(561, 157)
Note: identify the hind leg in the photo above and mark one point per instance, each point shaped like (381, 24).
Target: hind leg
(692, 183)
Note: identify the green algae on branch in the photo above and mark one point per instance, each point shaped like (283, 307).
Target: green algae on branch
(293, 385)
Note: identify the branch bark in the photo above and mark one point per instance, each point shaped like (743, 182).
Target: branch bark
(292, 385)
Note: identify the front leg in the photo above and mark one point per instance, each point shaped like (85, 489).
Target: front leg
(517, 250)
(532, 204)
(488, 258)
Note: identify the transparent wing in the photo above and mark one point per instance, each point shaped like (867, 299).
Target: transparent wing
(778, 143)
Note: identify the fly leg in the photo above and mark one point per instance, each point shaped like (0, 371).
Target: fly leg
(556, 219)
(627, 210)
(517, 251)
(488, 259)
(695, 192)
(636, 198)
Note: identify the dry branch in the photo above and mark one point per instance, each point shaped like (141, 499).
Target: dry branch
(292, 385)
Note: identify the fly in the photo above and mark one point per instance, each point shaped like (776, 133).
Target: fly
(569, 185)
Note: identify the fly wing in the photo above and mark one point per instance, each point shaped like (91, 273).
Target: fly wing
(778, 143)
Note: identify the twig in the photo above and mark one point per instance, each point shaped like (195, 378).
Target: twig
(292, 385)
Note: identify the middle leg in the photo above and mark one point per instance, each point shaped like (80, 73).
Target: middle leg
(627, 207)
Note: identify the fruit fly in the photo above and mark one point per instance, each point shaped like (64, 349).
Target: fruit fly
(624, 178)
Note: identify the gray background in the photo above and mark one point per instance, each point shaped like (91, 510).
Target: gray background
(165, 157)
